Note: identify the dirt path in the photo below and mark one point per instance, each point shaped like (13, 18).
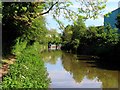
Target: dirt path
(4, 68)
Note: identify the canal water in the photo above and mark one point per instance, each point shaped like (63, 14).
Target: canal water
(68, 71)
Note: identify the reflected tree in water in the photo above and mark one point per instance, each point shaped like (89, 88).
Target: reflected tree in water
(51, 56)
(80, 69)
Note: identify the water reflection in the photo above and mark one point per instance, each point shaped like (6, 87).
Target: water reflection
(51, 56)
(66, 71)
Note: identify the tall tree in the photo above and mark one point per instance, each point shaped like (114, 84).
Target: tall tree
(67, 34)
(19, 20)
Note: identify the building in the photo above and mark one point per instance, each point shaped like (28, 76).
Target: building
(54, 47)
(111, 19)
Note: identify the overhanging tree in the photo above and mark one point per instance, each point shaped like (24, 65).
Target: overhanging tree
(18, 17)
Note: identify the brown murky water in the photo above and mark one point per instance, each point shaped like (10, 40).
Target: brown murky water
(66, 71)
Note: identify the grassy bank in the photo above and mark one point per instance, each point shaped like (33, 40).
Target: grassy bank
(28, 71)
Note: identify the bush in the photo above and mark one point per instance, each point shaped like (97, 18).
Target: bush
(19, 46)
(28, 71)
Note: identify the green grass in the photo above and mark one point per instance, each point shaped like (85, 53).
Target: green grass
(28, 71)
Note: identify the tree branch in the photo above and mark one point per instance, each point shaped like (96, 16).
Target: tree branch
(48, 9)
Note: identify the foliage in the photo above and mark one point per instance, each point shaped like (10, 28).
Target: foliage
(25, 19)
(19, 21)
(93, 40)
(53, 36)
(28, 71)
(111, 36)
(79, 29)
(74, 34)
(107, 42)
(37, 31)
(67, 34)
(108, 14)
(19, 47)
(87, 9)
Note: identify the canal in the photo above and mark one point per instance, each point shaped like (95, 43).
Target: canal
(68, 71)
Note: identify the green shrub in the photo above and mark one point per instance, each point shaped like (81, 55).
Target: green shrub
(19, 46)
(28, 71)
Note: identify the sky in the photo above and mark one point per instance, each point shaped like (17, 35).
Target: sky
(110, 6)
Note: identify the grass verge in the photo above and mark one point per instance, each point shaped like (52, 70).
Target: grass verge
(28, 71)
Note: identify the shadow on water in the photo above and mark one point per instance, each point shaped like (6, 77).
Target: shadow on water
(109, 64)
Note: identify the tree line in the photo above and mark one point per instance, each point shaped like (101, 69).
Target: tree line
(102, 41)
(26, 21)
